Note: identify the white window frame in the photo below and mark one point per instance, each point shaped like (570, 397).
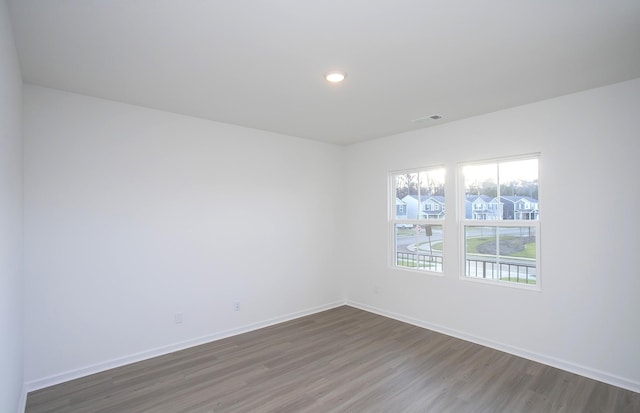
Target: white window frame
(407, 221)
(464, 223)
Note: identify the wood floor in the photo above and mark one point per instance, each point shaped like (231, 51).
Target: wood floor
(341, 360)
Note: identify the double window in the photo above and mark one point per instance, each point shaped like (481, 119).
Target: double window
(418, 226)
(498, 212)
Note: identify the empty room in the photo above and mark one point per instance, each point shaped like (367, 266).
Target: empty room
(305, 206)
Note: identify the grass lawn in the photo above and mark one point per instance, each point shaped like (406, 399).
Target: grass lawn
(405, 232)
(437, 246)
(472, 243)
(520, 281)
(529, 250)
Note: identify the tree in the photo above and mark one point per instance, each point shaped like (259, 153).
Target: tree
(430, 186)
(520, 188)
(406, 184)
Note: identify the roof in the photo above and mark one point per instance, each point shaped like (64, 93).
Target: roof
(473, 198)
(515, 198)
(437, 198)
(424, 198)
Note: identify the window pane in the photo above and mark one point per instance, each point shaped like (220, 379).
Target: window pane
(480, 259)
(419, 246)
(480, 190)
(407, 193)
(519, 189)
(517, 254)
(420, 195)
(501, 253)
(432, 194)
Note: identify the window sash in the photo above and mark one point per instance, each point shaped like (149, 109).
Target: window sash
(423, 259)
(419, 261)
(500, 268)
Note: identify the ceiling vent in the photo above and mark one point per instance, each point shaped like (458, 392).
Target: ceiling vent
(427, 118)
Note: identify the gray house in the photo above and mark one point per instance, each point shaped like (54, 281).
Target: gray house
(516, 207)
(481, 207)
(401, 209)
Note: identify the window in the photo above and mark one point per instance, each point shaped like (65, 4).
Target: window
(418, 233)
(504, 246)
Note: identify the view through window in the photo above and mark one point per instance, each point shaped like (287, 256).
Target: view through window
(417, 221)
(500, 223)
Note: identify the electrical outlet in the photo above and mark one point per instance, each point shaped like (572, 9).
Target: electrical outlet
(236, 306)
(177, 318)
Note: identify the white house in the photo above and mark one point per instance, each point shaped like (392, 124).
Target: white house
(429, 206)
(480, 207)
(433, 207)
(413, 205)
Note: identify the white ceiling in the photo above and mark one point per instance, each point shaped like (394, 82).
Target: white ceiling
(260, 64)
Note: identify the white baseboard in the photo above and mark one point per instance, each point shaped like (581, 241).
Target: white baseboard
(159, 351)
(540, 358)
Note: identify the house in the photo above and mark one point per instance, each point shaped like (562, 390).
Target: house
(433, 207)
(428, 206)
(480, 207)
(516, 207)
(162, 161)
(412, 205)
(401, 209)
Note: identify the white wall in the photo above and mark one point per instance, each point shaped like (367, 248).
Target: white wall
(587, 316)
(132, 215)
(10, 219)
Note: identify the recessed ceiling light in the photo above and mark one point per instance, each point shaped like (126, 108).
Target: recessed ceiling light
(335, 76)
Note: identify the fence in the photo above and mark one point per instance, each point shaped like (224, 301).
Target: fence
(419, 261)
(479, 268)
(506, 271)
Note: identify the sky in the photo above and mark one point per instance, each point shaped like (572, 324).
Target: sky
(521, 169)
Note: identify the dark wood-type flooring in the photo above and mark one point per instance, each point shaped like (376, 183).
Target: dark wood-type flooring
(340, 360)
